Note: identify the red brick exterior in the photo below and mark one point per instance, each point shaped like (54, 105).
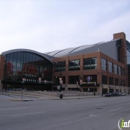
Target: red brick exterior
(82, 72)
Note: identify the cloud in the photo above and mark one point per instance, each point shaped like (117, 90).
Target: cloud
(118, 24)
(53, 24)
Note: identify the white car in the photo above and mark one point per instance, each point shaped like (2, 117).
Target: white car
(123, 94)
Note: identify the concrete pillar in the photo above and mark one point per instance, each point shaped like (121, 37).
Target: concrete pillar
(108, 89)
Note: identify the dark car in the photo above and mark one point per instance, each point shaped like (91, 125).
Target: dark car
(115, 94)
(108, 95)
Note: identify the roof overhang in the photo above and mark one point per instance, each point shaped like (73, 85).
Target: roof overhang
(27, 50)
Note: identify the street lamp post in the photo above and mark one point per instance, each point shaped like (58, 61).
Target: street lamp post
(80, 83)
(61, 80)
(102, 89)
(23, 80)
(39, 81)
(77, 85)
(102, 83)
(88, 91)
(61, 84)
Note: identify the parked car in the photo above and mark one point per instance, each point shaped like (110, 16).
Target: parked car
(108, 95)
(115, 94)
(123, 94)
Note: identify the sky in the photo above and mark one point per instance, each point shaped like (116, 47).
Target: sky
(48, 25)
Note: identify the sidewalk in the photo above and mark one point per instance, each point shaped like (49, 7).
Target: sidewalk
(14, 98)
(71, 97)
(28, 96)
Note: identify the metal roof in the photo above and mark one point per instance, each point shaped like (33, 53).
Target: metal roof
(47, 57)
(80, 49)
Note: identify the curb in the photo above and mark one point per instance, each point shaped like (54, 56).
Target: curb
(71, 98)
(21, 100)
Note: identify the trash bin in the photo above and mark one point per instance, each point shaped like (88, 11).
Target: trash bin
(61, 96)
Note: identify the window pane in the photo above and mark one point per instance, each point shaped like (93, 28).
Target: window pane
(90, 63)
(74, 65)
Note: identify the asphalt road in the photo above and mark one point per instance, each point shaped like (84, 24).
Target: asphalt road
(100, 113)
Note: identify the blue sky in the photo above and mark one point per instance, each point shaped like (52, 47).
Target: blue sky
(47, 25)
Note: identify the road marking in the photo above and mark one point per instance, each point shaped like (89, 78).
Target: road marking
(115, 109)
(13, 108)
(27, 114)
(92, 115)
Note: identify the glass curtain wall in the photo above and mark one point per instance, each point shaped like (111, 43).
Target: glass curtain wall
(28, 65)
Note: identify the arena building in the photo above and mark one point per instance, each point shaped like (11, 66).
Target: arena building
(100, 68)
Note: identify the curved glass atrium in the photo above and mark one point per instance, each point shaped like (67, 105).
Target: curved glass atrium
(28, 65)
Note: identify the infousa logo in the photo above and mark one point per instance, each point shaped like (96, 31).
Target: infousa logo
(122, 125)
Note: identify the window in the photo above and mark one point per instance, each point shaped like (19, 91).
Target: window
(116, 81)
(110, 80)
(90, 63)
(104, 64)
(123, 71)
(110, 67)
(90, 78)
(60, 66)
(104, 79)
(74, 65)
(119, 70)
(73, 79)
(115, 69)
(90, 89)
(121, 82)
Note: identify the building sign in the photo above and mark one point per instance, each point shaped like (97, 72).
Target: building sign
(29, 69)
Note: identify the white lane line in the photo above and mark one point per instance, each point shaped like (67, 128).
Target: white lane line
(115, 109)
(13, 108)
(27, 114)
(92, 115)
